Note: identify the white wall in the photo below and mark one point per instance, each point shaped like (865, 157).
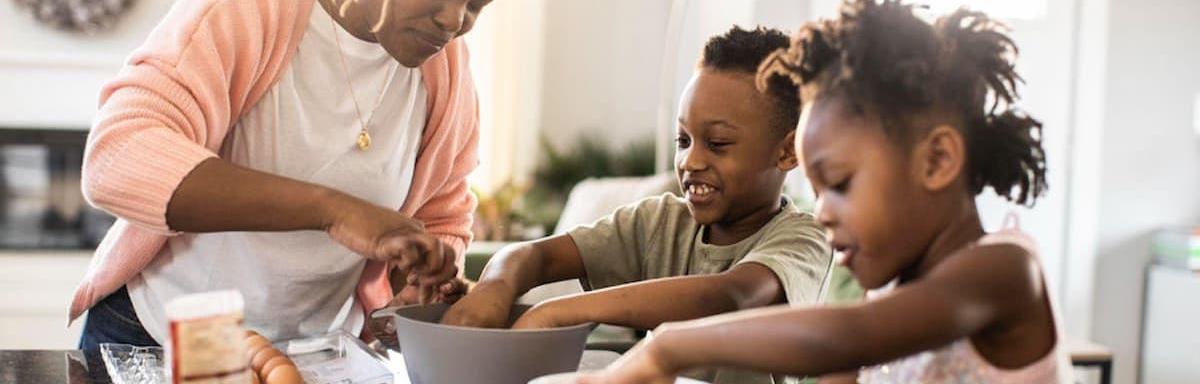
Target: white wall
(37, 287)
(1149, 157)
(601, 68)
(506, 62)
(50, 78)
(603, 59)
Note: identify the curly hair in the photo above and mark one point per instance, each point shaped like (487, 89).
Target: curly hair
(741, 50)
(881, 58)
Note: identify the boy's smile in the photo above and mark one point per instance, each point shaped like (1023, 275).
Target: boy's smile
(730, 159)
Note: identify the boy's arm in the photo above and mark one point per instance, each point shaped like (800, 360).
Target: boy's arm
(647, 304)
(514, 270)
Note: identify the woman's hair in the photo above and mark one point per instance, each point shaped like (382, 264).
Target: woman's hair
(740, 50)
(880, 58)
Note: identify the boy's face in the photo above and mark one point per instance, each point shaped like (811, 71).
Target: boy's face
(730, 160)
(876, 216)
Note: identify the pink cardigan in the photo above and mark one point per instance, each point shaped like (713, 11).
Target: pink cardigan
(204, 67)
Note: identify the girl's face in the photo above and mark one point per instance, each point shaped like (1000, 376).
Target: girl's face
(412, 31)
(866, 197)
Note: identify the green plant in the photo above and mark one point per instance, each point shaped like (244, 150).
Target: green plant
(559, 171)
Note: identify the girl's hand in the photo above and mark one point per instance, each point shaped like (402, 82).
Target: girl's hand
(486, 306)
(641, 365)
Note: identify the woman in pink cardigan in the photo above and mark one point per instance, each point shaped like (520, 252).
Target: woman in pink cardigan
(307, 153)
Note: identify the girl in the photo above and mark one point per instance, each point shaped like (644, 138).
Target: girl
(899, 136)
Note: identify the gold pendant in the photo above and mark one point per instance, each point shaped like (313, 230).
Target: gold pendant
(364, 140)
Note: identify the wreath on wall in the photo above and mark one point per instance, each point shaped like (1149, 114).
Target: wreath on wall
(87, 16)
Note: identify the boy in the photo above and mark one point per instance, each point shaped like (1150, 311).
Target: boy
(732, 242)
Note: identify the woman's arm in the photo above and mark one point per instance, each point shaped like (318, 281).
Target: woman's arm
(993, 287)
(647, 304)
(219, 196)
(172, 104)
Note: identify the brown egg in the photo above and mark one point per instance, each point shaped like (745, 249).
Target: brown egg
(250, 332)
(262, 357)
(253, 342)
(274, 363)
(285, 374)
(254, 378)
(252, 347)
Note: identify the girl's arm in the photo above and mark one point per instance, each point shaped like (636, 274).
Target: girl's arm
(991, 287)
(647, 304)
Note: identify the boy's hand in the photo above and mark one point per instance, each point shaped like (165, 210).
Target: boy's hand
(549, 314)
(452, 291)
(485, 306)
(640, 365)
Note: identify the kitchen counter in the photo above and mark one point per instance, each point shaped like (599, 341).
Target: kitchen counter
(77, 367)
(52, 367)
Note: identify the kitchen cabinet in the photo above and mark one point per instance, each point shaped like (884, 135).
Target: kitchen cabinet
(1171, 326)
(35, 291)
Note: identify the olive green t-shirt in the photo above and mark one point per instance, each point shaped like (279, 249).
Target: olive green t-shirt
(657, 237)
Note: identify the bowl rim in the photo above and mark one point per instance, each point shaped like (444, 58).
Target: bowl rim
(395, 314)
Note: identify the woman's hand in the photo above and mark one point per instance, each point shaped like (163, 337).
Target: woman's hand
(486, 306)
(413, 293)
(375, 232)
(382, 234)
(424, 284)
(641, 365)
(386, 235)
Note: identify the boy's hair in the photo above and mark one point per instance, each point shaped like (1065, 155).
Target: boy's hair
(879, 57)
(741, 50)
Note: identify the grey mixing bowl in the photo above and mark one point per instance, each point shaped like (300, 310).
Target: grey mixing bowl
(445, 354)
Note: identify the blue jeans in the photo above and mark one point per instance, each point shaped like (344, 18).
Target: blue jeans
(113, 320)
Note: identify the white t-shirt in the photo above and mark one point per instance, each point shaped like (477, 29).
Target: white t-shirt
(302, 283)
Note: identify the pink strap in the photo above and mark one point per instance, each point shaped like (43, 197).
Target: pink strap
(1011, 221)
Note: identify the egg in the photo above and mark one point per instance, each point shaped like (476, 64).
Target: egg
(253, 347)
(254, 378)
(253, 342)
(274, 363)
(262, 357)
(286, 374)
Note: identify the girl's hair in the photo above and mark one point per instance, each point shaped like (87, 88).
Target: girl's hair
(879, 57)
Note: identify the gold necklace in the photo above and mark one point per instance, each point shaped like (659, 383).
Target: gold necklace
(364, 138)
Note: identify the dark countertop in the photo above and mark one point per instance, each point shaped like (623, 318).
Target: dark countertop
(52, 367)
